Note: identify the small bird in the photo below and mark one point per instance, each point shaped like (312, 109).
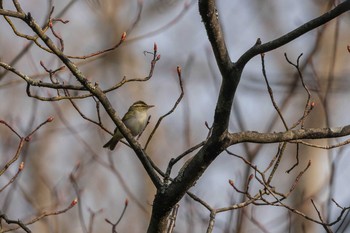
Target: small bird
(135, 119)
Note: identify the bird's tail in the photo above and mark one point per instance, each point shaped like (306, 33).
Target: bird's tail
(111, 144)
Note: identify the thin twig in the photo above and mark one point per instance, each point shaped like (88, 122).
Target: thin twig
(20, 168)
(308, 103)
(269, 89)
(171, 110)
(18, 222)
(114, 225)
(44, 215)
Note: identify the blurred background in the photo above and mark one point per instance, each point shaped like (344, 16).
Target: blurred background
(104, 180)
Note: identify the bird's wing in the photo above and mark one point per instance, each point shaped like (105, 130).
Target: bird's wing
(126, 117)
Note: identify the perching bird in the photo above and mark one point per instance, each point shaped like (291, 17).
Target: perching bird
(135, 119)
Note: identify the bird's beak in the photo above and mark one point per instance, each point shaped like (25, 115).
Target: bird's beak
(150, 106)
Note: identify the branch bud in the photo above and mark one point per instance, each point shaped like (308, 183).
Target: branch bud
(21, 166)
(123, 37)
(74, 202)
(28, 138)
(50, 119)
(178, 69)
(231, 183)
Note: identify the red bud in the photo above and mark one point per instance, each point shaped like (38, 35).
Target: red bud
(231, 183)
(74, 202)
(155, 47)
(27, 139)
(21, 166)
(178, 69)
(123, 36)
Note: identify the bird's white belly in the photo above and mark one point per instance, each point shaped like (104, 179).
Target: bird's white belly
(137, 124)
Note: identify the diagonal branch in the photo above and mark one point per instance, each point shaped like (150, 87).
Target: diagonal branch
(287, 136)
(39, 83)
(210, 17)
(308, 26)
(96, 91)
(220, 139)
(230, 75)
(13, 14)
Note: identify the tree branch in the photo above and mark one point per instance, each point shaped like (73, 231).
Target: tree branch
(96, 91)
(285, 39)
(220, 139)
(230, 75)
(290, 135)
(210, 17)
(12, 14)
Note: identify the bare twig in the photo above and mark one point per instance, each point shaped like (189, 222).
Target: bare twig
(269, 89)
(121, 40)
(21, 143)
(173, 161)
(18, 222)
(98, 123)
(114, 225)
(10, 127)
(296, 158)
(171, 110)
(29, 136)
(44, 215)
(288, 136)
(308, 105)
(326, 147)
(20, 168)
(327, 229)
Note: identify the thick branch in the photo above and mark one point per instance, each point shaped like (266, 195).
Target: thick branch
(167, 197)
(220, 139)
(230, 76)
(210, 17)
(285, 39)
(311, 133)
(196, 167)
